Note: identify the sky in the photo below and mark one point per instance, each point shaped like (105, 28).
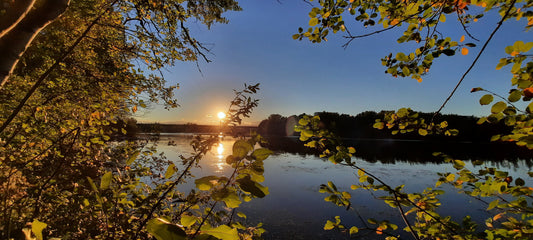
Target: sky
(295, 77)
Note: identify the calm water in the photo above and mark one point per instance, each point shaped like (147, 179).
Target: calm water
(295, 209)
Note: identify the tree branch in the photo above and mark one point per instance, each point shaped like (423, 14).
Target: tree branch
(41, 78)
(15, 41)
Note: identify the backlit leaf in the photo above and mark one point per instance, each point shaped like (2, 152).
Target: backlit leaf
(187, 220)
(498, 107)
(223, 232)
(486, 99)
(241, 148)
(205, 183)
(37, 228)
(106, 180)
(161, 229)
(261, 154)
(170, 171)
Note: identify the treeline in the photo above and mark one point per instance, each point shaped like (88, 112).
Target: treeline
(361, 127)
(193, 128)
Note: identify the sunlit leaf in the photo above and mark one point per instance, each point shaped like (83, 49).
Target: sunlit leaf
(106, 180)
(161, 229)
(241, 148)
(223, 232)
(261, 154)
(498, 107)
(486, 99)
(187, 220)
(171, 169)
(205, 183)
(37, 228)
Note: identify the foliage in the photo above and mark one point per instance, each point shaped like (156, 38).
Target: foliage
(422, 18)
(512, 219)
(67, 100)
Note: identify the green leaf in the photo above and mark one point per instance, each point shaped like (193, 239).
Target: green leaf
(303, 121)
(422, 132)
(161, 229)
(187, 220)
(498, 107)
(458, 164)
(351, 150)
(132, 157)
(402, 57)
(450, 177)
(170, 171)
(252, 187)
(493, 204)
(106, 180)
(223, 232)
(313, 22)
(486, 99)
(232, 200)
(37, 228)
(515, 95)
(261, 154)
(329, 225)
(442, 18)
(205, 183)
(241, 148)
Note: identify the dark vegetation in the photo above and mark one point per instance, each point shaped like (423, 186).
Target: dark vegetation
(193, 128)
(361, 127)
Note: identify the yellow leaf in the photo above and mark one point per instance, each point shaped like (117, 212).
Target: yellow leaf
(464, 51)
(394, 21)
(462, 38)
(134, 109)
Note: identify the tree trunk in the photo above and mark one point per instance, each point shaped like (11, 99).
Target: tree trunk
(15, 40)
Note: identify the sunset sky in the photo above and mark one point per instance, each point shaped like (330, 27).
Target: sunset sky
(300, 77)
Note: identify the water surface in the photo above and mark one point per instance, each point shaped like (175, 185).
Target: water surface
(295, 209)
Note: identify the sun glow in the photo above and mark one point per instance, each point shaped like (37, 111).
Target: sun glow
(221, 115)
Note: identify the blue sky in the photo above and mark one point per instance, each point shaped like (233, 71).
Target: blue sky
(256, 46)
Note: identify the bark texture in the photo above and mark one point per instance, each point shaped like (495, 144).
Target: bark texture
(17, 36)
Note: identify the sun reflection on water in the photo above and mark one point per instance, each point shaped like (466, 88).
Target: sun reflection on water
(220, 158)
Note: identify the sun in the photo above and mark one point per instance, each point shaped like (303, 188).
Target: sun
(221, 115)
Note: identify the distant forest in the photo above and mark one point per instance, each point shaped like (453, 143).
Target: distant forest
(361, 127)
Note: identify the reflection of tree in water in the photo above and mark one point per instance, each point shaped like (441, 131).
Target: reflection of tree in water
(392, 151)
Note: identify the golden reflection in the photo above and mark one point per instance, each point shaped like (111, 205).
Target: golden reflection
(220, 161)
(220, 149)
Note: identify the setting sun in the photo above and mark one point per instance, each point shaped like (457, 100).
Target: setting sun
(221, 115)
